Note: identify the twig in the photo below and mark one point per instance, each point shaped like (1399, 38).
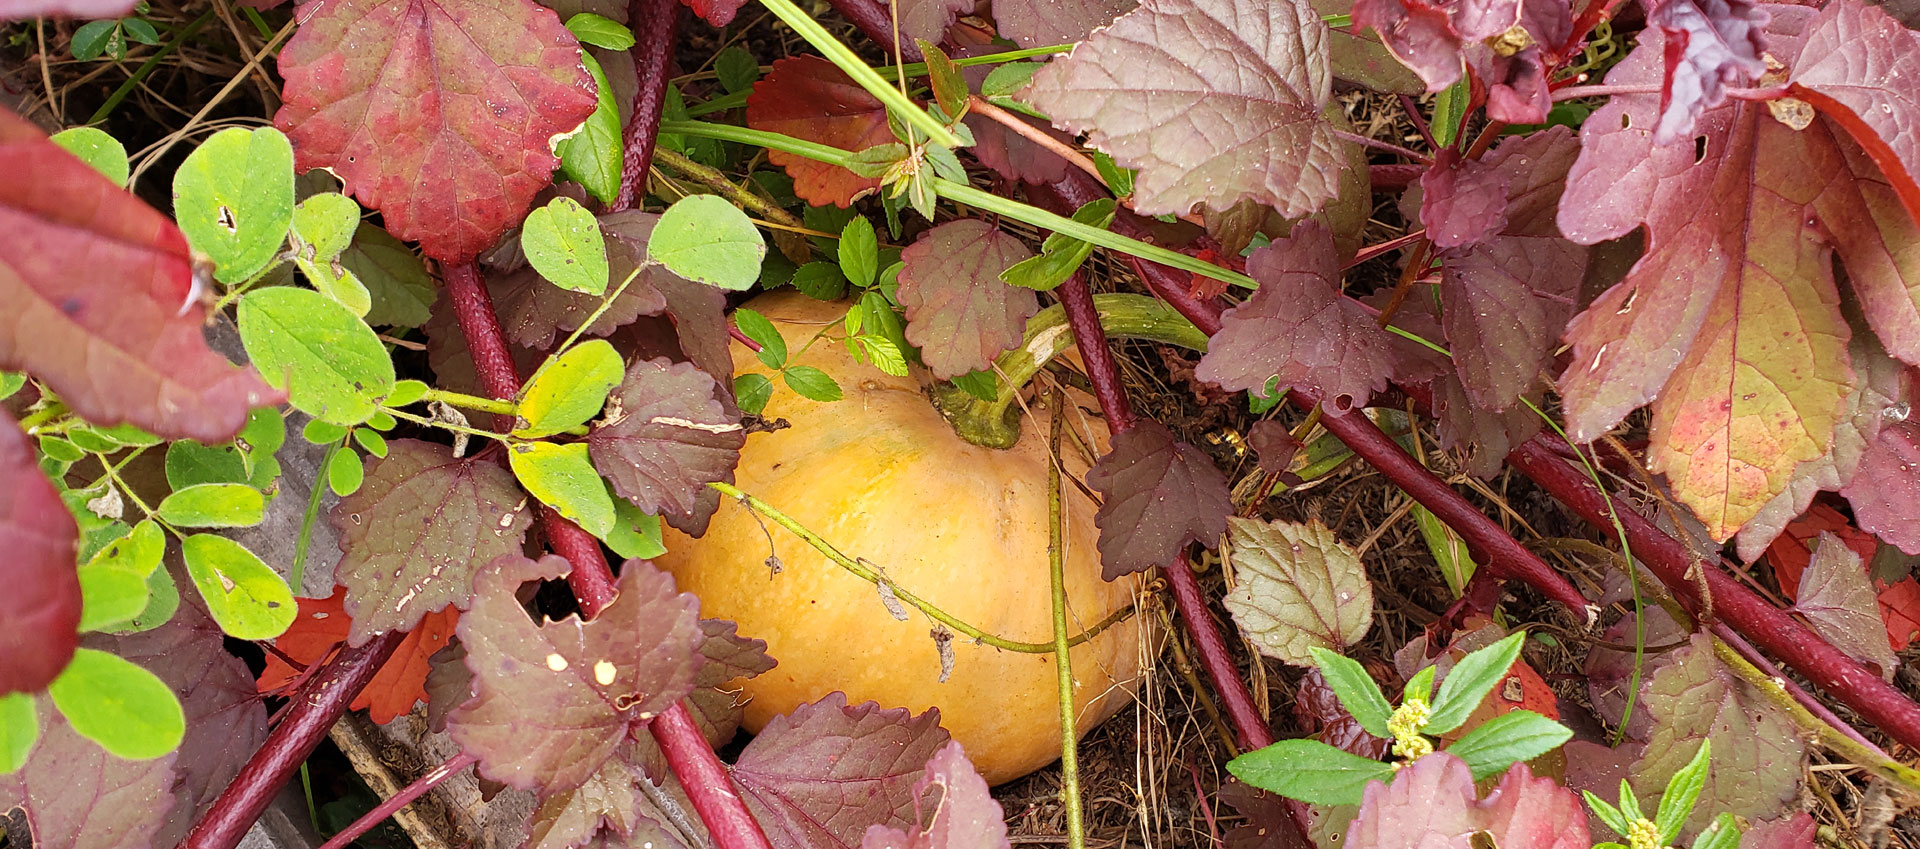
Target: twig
(394, 803)
(985, 108)
(709, 786)
(656, 23)
(1377, 144)
(314, 708)
(717, 181)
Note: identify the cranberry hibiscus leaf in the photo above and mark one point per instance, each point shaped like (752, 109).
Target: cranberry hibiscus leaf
(1732, 319)
(1886, 490)
(958, 312)
(1214, 101)
(966, 816)
(1159, 494)
(440, 115)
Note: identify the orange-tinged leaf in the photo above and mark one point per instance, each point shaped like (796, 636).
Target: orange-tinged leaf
(1860, 68)
(1791, 553)
(323, 623)
(94, 300)
(808, 98)
(441, 115)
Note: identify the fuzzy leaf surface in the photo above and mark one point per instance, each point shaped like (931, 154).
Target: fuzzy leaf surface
(323, 623)
(42, 604)
(667, 434)
(1038, 23)
(958, 311)
(1757, 752)
(817, 778)
(1214, 101)
(581, 685)
(808, 98)
(1158, 495)
(418, 530)
(1299, 328)
(1885, 491)
(439, 115)
(1839, 602)
(92, 288)
(1298, 588)
(966, 817)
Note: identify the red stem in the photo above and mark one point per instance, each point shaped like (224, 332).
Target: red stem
(1391, 178)
(656, 23)
(399, 800)
(1088, 336)
(692, 760)
(875, 21)
(315, 708)
(1751, 616)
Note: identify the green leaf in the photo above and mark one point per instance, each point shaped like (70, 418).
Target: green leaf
(140, 30)
(1683, 790)
(60, 449)
(338, 283)
(189, 463)
(949, 89)
(1119, 179)
(265, 432)
(1723, 833)
(569, 389)
(753, 391)
(980, 384)
(113, 584)
(1447, 109)
(600, 31)
(106, 440)
(1060, 256)
(19, 730)
(562, 477)
(329, 361)
(163, 599)
(859, 252)
(1470, 681)
(1356, 690)
(1310, 771)
(821, 281)
(104, 152)
(1500, 742)
(406, 392)
(93, 38)
(214, 505)
(318, 432)
(635, 534)
(753, 325)
(737, 69)
(345, 473)
(244, 594)
(1420, 686)
(562, 241)
(708, 240)
(372, 441)
(129, 711)
(233, 197)
(326, 223)
(1607, 813)
(403, 292)
(1629, 804)
(811, 383)
(1005, 80)
(592, 157)
(10, 382)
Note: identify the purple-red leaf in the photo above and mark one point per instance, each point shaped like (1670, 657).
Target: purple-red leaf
(1158, 495)
(440, 115)
(1299, 328)
(94, 300)
(79, 797)
(965, 815)
(1885, 491)
(1839, 602)
(1757, 753)
(1535, 812)
(716, 12)
(1215, 101)
(1321, 714)
(1037, 23)
(533, 311)
(1268, 825)
(1793, 831)
(606, 812)
(1419, 34)
(667, 433)
(1710, 44)
(1858, 65)
(418, 529)
(808, 98)
(1431, 805)
(41, 607)
(819, 777)
(729, 656)
(553, 701)
(1463, 202)
(958, 311)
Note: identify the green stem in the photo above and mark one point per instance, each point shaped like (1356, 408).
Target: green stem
(472, 402)
(844, 58)
(296, 576)
(1833, 738)
(126, 88)
(470, 431)
(738, 99)
(758, 138)
(874, 576)
(1062, 659)
(31, 422)
(996, 423)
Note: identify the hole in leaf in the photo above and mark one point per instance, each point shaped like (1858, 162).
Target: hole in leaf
(225, 219)
(1699, 149)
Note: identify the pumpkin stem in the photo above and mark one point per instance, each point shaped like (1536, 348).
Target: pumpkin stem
(996, 423)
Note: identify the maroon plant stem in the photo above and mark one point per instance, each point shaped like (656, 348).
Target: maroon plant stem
(1799, 693)
(399, 800)
(1749, 615)
(698, 768)
(656, 25)
(315, 708)
(1394, 177)
(1088, 336)
(1248, 728)
(875, 22)
(1590, 17)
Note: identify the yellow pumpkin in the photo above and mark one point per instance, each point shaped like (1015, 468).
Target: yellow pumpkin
(882, 476)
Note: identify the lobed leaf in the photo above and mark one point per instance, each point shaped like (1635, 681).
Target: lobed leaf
(1793, 831)
(667, 434)
(418, 530)
(1839, 601)
(42, 605)
(1038, 23)
(95, 300)
(1535, 812)
(1214, 101)
(440, 115)
(959, 312)
(808, 98)
(1886, 488)
(1299, 588)
(1158, 494)
(1854, 60)
(76, 796)
(966, 817)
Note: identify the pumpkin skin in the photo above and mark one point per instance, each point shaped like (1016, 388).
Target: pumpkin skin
(881, 475)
